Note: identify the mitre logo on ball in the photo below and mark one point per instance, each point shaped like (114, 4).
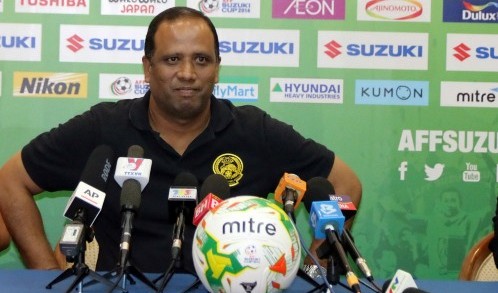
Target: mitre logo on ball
(246, 240)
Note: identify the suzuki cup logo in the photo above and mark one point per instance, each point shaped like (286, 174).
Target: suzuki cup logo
(461, 52)
(75, 43)
(134, 163)
(333, 49)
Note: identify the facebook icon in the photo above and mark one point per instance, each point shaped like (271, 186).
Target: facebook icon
(403, 167)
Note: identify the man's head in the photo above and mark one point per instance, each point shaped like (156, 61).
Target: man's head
(171, 15)
(181, 64)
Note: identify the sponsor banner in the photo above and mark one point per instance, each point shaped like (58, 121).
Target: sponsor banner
(469, 94)
(1, 80)
(137, 8)
(372, 50)
(392, 92)
(259, 47)
(1, 6)
(483, 11)
(306, 90)
(122, 86)
(448, 141)
(223, 8)
(472, 52)
(309, 9)
(394, 10)
(20, 42)
(101, 44)
(46, 6)
(50, 85)
(237, 89)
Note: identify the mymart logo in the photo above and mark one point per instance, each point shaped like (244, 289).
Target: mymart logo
(237, 89)
(294, 90)
(50, 85)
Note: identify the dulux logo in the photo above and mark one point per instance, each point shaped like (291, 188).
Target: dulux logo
(373, 50)
(243, 47)
(470, 11)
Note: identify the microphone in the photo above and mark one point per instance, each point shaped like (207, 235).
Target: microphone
(132, 174)
(213, 190)
(183, 190)
(327, 222)
(347, 206)
(86, 202)
(290, 190)
(401, 282)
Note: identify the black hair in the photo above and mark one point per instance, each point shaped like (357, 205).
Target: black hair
(172, 14)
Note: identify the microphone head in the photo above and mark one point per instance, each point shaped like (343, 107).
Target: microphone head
(98, 166)
(185, 179)
(215, 184)
(131, 195)
(135, 151)
(317, 189)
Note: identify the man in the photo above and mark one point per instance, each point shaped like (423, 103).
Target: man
(181, 127)
(4, 235)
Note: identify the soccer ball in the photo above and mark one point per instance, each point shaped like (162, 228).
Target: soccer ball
(208, 5)
(121, 86)
(246, 244)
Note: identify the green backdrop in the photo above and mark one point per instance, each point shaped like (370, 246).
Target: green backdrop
(424, 227)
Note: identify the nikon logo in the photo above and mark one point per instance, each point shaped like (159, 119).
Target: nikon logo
(50, 85)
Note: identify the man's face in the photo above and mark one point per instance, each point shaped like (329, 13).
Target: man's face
(183, 69)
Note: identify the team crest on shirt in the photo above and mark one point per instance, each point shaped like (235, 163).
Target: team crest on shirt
(229, 166)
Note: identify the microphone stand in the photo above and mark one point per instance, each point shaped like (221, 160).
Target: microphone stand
(79, 268)
(176, 250)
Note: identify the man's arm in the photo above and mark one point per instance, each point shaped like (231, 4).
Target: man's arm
(22, 216)
(4, 235)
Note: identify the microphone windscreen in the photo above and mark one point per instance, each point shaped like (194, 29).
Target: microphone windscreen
(185, 179)
(97, 168)
(135, 151)
(414, 290)
(215, 184)
(131, 195)
(317, 189)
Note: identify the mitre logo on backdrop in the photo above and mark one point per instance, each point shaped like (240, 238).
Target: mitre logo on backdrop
(259, 47)
(309, 9)
(295, 90)
(20, 42)
(47, 6)
(483, 11)
(372, 50)
(472, 52)
(469, 94)
(101, 44)
(388, 10)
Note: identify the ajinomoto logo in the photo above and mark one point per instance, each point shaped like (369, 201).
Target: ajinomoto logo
(50, 85)
(229, 166)
(394, 10)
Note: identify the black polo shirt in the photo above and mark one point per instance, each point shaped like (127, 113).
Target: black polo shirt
(247, 146)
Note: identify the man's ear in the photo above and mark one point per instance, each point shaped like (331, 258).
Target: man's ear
(147, 67)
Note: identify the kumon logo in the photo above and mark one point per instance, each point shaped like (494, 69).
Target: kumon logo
(50, 85)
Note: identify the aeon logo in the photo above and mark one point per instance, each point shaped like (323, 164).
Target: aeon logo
(333, 49)
(75, 43)
(461, 52)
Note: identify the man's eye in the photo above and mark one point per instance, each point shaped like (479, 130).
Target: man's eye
(172, 59)
(202, 59)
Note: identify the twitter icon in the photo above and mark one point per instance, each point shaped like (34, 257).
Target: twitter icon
(433, 173)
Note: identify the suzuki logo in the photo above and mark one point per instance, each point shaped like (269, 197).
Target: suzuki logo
(75, 43)
(333, 49)
(461, 50)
